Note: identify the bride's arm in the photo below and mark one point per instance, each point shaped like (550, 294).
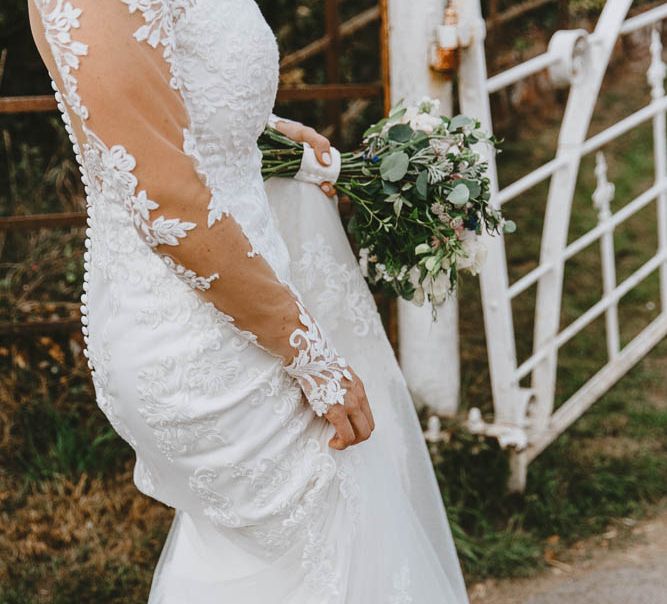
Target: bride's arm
(131, 123)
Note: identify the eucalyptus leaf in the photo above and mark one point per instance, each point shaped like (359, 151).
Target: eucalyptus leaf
(388, 188)
(473, 186)
(459, 195)
(394, 166)
(431, 263)
(375, 128)
(509, 226)
(400, 133)
(398, 112)
(460, 121)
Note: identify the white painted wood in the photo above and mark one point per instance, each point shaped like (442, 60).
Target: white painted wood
(428, 351)
(429, 355)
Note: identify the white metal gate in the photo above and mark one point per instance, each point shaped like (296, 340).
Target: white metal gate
(524, 416)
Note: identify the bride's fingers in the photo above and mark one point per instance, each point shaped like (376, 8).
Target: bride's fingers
(370, 419)
(320, 144)
(328, 189)
(362, 429)
(344, 436)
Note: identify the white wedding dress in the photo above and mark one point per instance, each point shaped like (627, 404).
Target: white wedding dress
(207, 300)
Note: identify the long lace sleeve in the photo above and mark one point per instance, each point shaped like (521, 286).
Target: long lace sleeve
(131, 111)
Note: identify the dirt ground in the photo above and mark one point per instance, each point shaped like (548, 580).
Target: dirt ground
(625, 566)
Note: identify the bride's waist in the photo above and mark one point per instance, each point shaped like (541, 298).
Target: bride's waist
(230, 169)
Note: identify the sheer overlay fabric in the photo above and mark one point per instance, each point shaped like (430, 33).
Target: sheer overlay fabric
(205, 330)
(184, 184)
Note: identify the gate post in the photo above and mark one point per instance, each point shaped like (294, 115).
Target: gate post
(429, 351)
(509, 399)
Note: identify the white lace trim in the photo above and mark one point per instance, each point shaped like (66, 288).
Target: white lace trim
(58, 22)
(110, 170)
(401, 584)
(189, 276)
(159, 20)
(317, 367)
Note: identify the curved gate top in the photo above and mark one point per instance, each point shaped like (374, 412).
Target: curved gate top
(524, 416)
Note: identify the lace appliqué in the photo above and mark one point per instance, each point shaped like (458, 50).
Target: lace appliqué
(58, 23)
(343, 293)
(164, 390)
(189, 276)
(317, 366)
(111, 176)
(220, 508)
(109, 171)
(401, 585)
(159, 18)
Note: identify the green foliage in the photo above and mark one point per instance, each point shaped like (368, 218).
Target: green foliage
(58, 443)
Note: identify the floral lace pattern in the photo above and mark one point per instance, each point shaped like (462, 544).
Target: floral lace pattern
(159, 17)
(343, 294)
(59, 18)
(317, 367)
(219, 509)
(401, 584)
(161, 388)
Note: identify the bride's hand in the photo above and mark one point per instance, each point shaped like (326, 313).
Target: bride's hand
(353, 420)
(320, 144)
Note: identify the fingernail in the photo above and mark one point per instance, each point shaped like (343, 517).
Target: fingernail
(326, 188)
(326, 158)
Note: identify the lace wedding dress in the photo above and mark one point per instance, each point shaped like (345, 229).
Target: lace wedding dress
(206, 302)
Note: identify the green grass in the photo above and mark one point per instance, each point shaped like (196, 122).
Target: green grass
(611, 464)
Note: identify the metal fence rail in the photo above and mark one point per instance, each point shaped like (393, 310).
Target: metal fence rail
(525, 417)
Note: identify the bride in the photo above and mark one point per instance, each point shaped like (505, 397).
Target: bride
(231, 338)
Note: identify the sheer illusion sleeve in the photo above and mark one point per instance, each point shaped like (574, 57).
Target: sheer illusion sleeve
(130, 121)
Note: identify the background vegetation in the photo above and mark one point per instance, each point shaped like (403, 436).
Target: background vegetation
(72, 526)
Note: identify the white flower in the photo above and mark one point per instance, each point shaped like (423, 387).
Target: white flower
(414, 276)
(440, 146)
(438, 288)
(425, 122)
(418, 297)
(474, 253)
(429, 105)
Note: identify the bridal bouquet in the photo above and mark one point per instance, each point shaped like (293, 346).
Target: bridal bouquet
(420, 198)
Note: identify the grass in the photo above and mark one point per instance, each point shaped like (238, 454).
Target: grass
(74, 529)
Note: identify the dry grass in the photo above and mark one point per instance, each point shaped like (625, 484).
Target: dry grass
(60, 537)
